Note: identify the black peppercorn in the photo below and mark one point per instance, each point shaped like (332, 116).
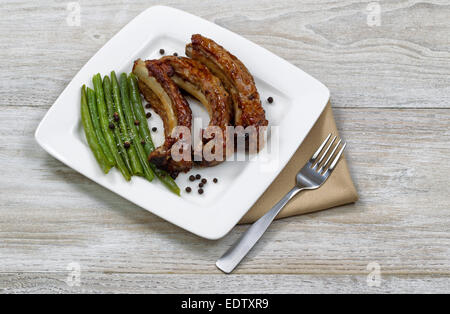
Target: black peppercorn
(116, 116)
(148, 115)
(136, 122)
(161, 51)
(112, 126)
(175, 54)
(200, 191)
(148, 106)
(215, 180)
(191, 178)
(188, 189)
(154, 129)
(270, 100)
(200, 185)
(126, 145)
(204, 181)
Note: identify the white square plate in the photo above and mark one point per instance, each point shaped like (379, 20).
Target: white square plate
(299, 101)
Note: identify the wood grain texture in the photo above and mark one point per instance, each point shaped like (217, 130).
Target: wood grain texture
(150, 283)
(390, 89)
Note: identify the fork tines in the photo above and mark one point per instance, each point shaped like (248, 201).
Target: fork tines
(324, 153)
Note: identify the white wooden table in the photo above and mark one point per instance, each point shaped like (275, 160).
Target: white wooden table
(390, 89)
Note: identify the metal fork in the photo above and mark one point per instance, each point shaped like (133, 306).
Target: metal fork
(310, 177)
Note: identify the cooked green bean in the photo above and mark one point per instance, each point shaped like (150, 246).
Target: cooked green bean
(134, 134)
(90, 133)
(92, 104)
(134, 160)
(117, 136)
(144, 131)
(139, 112)
(106, 128)
(166, 179)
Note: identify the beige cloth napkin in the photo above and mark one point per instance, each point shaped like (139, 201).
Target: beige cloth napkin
(337, 190)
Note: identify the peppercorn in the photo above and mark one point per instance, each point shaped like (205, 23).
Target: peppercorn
(215, 180)
(126, 145)
(161, 51)
(112, 126)
(198, 176)
(154, 129)
(136, 122)
(270, 100)
(200, 191)
(191, 178)
(188, 189)
(148, 115)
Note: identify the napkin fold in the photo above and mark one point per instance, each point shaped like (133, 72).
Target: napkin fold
(337, 190)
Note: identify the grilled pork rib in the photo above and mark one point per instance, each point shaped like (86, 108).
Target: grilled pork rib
(235, 77)
(165, 98)
(197, 80)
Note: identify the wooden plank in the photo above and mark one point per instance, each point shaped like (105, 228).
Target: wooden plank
(404, 62)
(148, 283)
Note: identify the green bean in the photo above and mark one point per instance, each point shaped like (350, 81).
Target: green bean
(139, 113)
(134, 134)
(107, 131)
(166, 179)
(117, 136)
(91, 136)
(92, 103)
(134, 160)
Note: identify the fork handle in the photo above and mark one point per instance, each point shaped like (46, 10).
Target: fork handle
(239, 250)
